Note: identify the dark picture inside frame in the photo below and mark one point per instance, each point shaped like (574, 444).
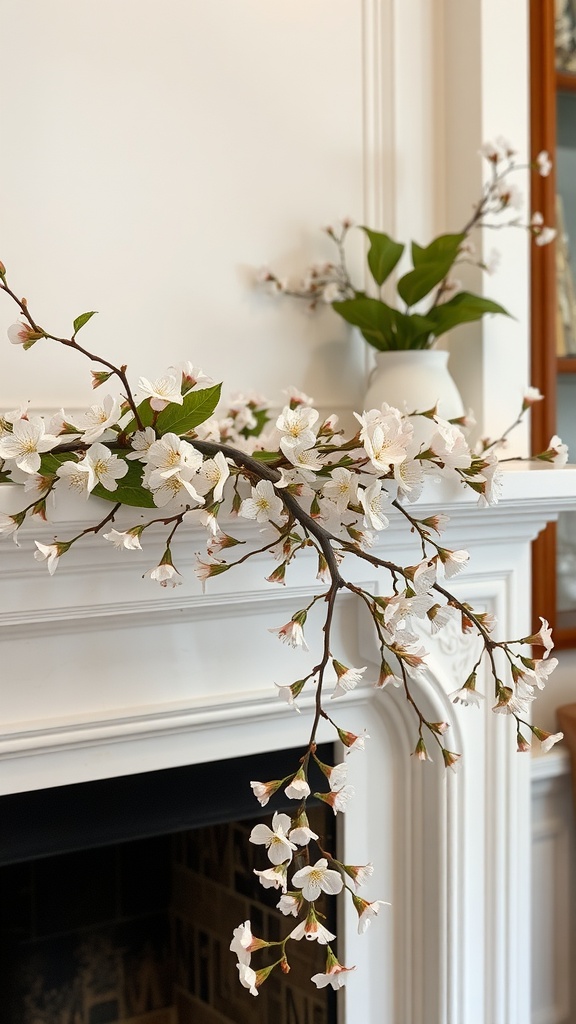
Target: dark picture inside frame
(566, 318)
(566, 36)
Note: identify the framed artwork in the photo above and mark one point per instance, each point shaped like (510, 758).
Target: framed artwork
(566, 36)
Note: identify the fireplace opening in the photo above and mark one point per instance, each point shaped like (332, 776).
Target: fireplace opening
(118, 899)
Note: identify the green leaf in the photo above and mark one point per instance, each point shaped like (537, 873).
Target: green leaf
(196, 407)
(146, 414)
(50, 462)
(431, 266)
(463, 308)
(83, 319)
(383, 254)
(375, 319)
(384, 328)
(442, 248)
(130, 490)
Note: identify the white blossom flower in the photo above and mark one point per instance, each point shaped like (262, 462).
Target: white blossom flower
(273, 878)
(128, 539)
(543, 163)
(264, 790)
(264, 505)
(242, 939)
(409, 476)
(191, 375)
(348, 677)
(286, 693)
(335, 977)
(543, 638)
(493, 261)
(302, 835)
(359, 873)
(367, 912)
(247, 978)
(338, 800)
(450, 446)
(213, 475)
(375, 501)
(542, 669)
(51, 552)
(275, 839)
(351, 740)
(171, 456)
(558, 449)
(9, 526)
(467, 695)
(141, 443)
(290, 904)
(296, 397)
(312, 929)
(545, 236)
(317, 878)
(550, 740)
(296, 426)
(27, 440)
(162, 391)
(509, 195)
(98, 418)
(305, 459)
(341, 489)
(79, 476)
(175, 488)
(386, 448)
(298, 789)
(336, 775)
(531, 396)
(291, 633)
(165, 574)
(453, 561)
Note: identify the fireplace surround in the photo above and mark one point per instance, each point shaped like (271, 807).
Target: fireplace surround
(125, 910)
(135, 679)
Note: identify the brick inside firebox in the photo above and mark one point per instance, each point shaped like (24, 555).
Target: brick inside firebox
(139, 933)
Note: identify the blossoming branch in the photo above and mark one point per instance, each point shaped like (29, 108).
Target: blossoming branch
(162, 447)
(429, 299)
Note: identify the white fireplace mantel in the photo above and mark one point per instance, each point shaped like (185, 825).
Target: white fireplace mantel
(104, 674)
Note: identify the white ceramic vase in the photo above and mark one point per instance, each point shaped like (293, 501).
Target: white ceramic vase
(414, 380)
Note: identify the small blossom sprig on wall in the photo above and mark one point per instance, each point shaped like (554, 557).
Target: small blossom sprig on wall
(429, 299)
(161, 447)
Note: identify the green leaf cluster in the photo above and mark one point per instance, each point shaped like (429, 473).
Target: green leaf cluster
(387, 328)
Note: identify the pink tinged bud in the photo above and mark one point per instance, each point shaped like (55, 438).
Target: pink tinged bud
(522, 745)
(99, 377)
(23, 334)
(438, 727)
(278, 576)
(451, 759)
(420, 752)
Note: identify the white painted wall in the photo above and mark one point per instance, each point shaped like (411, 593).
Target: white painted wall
(155, 155)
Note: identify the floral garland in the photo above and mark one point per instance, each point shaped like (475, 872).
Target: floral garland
(307, 487)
